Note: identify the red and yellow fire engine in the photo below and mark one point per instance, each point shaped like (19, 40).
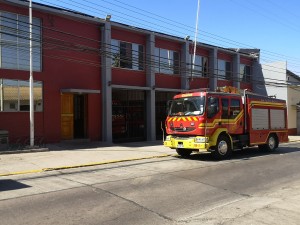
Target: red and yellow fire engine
(223, 121)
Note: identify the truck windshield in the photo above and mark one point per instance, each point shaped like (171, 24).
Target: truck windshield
(187, 106)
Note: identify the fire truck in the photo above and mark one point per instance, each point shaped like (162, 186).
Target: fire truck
(223, 121)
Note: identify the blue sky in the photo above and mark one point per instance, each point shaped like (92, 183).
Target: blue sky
(269, 25)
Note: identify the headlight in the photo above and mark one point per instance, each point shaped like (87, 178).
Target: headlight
(201, 139)
(168, 138)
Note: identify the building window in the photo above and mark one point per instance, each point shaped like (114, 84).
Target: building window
(14, 95)
(224, 70)
(245, 73)
(200, 67)
(14, 42)
(166, 61)
(127, 55)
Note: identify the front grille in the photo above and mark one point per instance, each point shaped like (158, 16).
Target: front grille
(183, 129)
(183, 137)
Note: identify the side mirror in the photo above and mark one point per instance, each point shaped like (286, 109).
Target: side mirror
(169, 103)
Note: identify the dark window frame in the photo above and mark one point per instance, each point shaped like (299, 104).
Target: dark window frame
(167, 65)
(125, 56)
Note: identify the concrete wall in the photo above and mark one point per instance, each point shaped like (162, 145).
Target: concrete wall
(293, 99)
(274, 75)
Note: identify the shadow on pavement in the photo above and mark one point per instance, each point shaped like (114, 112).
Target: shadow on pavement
(9, 185)
(78, 145)
(244, 154)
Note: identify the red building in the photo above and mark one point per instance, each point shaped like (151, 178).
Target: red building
(100, 80)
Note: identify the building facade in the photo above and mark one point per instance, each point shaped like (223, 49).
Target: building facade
(283, 84)
(100, 80)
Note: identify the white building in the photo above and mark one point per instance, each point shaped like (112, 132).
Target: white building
(277, 80)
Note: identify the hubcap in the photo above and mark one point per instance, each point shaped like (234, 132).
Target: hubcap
(222, 147)
(271, 143)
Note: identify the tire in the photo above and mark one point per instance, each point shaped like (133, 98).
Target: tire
(223, 148)
(183, 152)
(272, 143)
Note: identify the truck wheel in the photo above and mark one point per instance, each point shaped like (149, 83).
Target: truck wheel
(272, 143)
(223, 148)
(183, 152)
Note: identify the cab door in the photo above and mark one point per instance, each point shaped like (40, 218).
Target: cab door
(225, 112)
(236, 116)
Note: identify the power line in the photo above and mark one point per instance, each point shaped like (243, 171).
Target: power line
(67, 48)
(185, 26)
(96, 51)
(201, 31)
(61, 45)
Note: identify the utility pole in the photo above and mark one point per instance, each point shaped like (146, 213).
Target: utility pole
(31, 103)
(195, 39)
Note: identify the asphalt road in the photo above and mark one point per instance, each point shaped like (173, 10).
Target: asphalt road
(251, 188)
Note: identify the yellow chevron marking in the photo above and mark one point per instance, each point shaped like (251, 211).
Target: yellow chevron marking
(195, 118)
(189, 118)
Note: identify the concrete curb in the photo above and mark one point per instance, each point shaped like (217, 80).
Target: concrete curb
(294, 141)
(24, 151)
(81, 165)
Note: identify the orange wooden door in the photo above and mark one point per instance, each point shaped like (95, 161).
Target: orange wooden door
(67, 116)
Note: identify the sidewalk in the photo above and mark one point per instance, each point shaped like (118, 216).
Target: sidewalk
(80, 154)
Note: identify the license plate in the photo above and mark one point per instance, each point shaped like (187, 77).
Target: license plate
(180, 145)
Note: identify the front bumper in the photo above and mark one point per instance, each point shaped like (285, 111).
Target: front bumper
(185, 142)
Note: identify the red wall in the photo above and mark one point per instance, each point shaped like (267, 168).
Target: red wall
(128, 77)
(168, 80)
(167, 44)
(246, 61)
(199, 51)
(246, 86)
(127, 36)
(73, 61)
(222, 83)
(224, 56)
(199, 83)
(122, 76)
(68, 61)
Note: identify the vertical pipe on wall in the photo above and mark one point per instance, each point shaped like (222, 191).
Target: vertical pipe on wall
(213, 69)
(150, 95)
(185, 66)
(236, 70)
(106, 78)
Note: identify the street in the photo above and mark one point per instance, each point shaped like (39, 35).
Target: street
(252, 187)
